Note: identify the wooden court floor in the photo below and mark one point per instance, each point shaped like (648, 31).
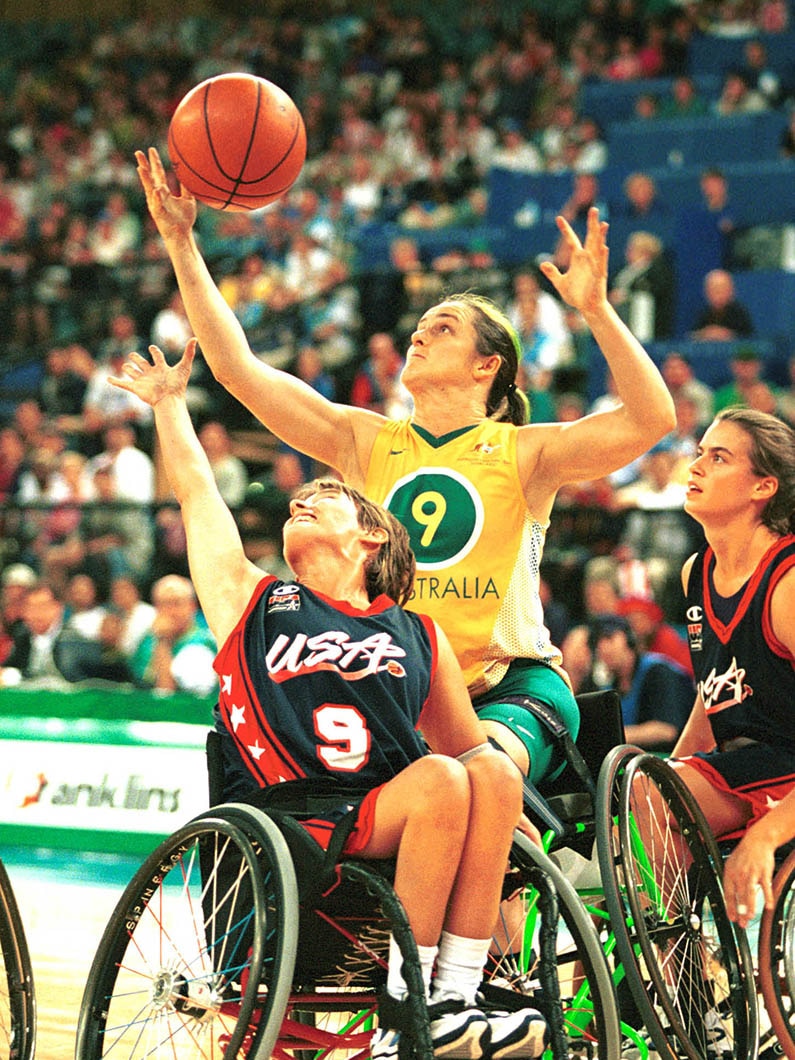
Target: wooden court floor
(65, 903)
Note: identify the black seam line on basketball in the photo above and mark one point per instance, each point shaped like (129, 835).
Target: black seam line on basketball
(174, 149)
(286, 154)
(257, 109)
(230, 194)
(264, 176)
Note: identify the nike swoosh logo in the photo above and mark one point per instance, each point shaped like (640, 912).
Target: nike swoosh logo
(396, 452)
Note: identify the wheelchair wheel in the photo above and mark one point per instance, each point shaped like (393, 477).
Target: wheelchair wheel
(191, 960)
(552, 951)
(330, 1007)
(776, 963)
(334, 1015)
(689, 971)
(17, 996)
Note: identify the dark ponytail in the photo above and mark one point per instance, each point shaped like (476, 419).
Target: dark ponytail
(496, 335)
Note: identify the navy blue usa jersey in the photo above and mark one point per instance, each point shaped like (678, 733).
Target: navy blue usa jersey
(311, 686)
(746, 677)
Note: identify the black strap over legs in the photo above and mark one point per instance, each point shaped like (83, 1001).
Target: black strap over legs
(535, 804)
(550, 718)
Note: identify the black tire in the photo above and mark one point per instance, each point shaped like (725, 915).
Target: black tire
(199, 936)
(689, 970)
(17, 993)
(333, 1005)
(577, 971)
(776, 961)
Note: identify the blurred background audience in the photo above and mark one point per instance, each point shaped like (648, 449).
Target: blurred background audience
(443, 139)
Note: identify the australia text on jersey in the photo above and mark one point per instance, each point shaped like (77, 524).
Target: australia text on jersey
(431, 587)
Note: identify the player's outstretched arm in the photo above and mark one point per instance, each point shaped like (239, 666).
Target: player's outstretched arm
(223, 577)
(596, 445)
(295, 412)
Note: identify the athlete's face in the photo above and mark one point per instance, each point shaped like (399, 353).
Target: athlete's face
(328, 516)
(443, 346)
(721, 479)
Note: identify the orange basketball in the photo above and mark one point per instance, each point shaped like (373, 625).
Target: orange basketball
(237, 142)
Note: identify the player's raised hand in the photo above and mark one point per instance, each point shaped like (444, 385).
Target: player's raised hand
(152, 382)
(173, 214)
(584, 284)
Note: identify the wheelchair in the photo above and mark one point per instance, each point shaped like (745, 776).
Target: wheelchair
(689, 968)
(239, 936)
(17, 993)
(684, 973)
(776, 956)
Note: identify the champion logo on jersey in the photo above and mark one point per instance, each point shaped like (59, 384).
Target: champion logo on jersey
(695, 628)
(486, 449)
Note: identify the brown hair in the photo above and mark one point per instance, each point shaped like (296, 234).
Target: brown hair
(773, 454)
(495, 334)
(391, 570)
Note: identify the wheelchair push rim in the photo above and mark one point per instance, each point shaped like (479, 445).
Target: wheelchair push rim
(180, 966)
(688, 968)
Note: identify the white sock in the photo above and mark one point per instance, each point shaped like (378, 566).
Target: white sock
(459, 967)
(395, 983)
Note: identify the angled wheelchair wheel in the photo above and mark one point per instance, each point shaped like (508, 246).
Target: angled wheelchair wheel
(335, 1004)
(198, 937)
(551, 951)
(690, 972)
(342, 956)
(776, 964)
(17, 994)
(329, 1006)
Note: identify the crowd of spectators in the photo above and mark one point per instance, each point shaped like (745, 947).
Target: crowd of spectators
(405, 114)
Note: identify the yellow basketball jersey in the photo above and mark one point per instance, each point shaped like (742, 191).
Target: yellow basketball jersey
(478, 548)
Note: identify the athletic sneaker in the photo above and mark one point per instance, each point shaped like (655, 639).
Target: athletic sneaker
(384, 1044)
(523, 1033)
(458, 1031)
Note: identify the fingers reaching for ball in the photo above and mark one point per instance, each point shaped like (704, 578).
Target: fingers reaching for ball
(152, 381)
(173, 214)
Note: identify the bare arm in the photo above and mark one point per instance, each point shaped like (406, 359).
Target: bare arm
(595, 445)
(697, 733)
(449, 722)
(223, 577)
(752, 863)
(337, 435)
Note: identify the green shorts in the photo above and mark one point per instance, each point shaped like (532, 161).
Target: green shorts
(541, 682)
